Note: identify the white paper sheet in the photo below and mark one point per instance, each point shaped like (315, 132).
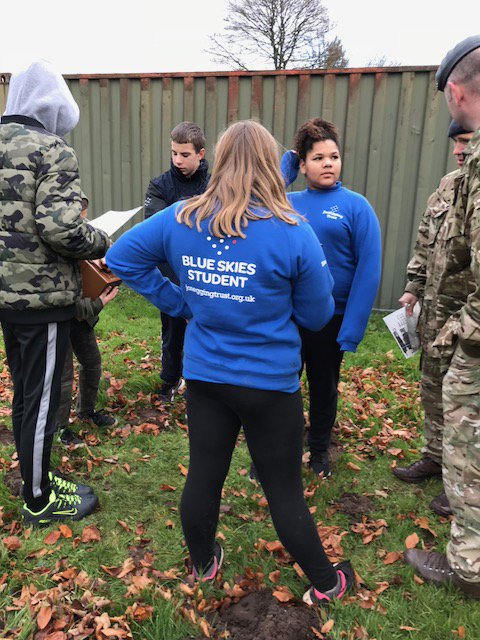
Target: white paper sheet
(112, 221)
(404, 329)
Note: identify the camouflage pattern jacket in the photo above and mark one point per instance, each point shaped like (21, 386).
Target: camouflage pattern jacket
(42, 234)
(460, 276)
(442, 294)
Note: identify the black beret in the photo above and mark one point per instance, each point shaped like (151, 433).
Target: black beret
(456, 129)
(453, 57)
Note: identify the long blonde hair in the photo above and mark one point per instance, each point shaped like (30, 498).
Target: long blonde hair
(245, 176)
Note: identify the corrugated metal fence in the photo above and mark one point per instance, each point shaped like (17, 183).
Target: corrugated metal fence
(392, 123)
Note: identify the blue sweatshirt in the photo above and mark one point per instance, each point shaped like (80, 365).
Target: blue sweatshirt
(349, 232)
(243, 297)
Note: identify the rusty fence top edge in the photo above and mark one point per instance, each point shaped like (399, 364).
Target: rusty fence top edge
(4, 76)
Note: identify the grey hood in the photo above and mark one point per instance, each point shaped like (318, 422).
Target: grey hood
(41, 93)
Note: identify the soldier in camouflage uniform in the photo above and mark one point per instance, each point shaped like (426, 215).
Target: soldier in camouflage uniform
(423, 274)
(42, 236)
(459, 76)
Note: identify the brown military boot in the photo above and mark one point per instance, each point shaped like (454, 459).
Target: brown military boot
(441, 505)
(418, 471)
(433, 566)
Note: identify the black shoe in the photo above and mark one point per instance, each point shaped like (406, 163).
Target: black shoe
(61, 507)
(99, 419)
(70, 439)
(319, 464)
(168, 391)
(67, 487)
(431, 565)
(441, 505)
(253, 473)
(345, 581)
(60, 485)
(418, 471)
(213, 568)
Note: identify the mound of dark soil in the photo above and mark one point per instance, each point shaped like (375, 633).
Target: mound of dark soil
(6, 435)
(354, 505)
(13, 480)
(261, 616)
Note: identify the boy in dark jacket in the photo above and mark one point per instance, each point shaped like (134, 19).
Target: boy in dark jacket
(83, 343)
(188, 176)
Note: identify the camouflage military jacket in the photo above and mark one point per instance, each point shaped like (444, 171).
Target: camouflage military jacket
(441, 297)
(42, 234)
(460, 264)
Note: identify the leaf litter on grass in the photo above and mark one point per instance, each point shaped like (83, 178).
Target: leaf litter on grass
(379, 416)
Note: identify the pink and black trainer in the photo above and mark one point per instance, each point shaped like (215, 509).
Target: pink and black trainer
(213, 568)
(345, 581)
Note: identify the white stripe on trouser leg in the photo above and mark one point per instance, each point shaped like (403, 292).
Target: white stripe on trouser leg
(43, 410)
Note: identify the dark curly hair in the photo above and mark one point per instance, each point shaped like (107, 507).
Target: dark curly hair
(312, 131)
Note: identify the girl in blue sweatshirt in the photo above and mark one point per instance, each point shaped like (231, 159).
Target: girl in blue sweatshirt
(348, 230)
(250, 273)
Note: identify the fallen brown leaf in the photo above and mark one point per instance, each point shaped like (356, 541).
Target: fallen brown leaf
(274, 576)
(411, 541)
(52, 537)
(91, 534)
(275, 545)
(204, 627)
(283, 594)
(12, 542)
(44, 617)
(328, 626)
(354, 466)
(392, 556)
(65, 531)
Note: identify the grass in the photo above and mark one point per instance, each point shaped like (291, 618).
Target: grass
(379, 422)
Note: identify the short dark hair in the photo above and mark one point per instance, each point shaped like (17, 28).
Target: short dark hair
(186, 132)
(314, 130)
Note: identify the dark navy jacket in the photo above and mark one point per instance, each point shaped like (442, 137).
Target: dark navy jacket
(173, 186)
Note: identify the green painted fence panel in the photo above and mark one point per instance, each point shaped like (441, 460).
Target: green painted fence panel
(392, 123)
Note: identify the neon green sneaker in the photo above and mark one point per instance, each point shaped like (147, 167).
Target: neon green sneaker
(61, 507)
(68, 487)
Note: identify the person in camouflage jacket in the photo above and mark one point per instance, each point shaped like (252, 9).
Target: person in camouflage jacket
(42, 236)
(423, 277)
(459, 76)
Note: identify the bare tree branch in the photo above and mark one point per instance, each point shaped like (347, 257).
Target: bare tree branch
(280, 32)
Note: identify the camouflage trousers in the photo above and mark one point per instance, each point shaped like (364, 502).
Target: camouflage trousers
(461, 462)
(433, 372)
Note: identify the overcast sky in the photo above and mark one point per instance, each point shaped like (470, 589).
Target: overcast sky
(142, 36)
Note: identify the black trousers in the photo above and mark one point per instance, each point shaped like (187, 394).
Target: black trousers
(322, 357)
(35, 356)
(173, 333)
(83, 343)
(273, 425)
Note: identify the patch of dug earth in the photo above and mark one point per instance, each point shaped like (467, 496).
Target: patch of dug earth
(13, 480)
(152, 416)
(354, 505)
(6, 435)
(260, 616)
(336, 448)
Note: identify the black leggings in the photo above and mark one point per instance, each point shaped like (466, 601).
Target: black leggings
(273, 425)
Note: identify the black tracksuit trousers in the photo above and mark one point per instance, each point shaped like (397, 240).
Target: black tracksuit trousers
(35, 356)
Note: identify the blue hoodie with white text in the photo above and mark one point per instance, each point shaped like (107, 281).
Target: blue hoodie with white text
(243, 297)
